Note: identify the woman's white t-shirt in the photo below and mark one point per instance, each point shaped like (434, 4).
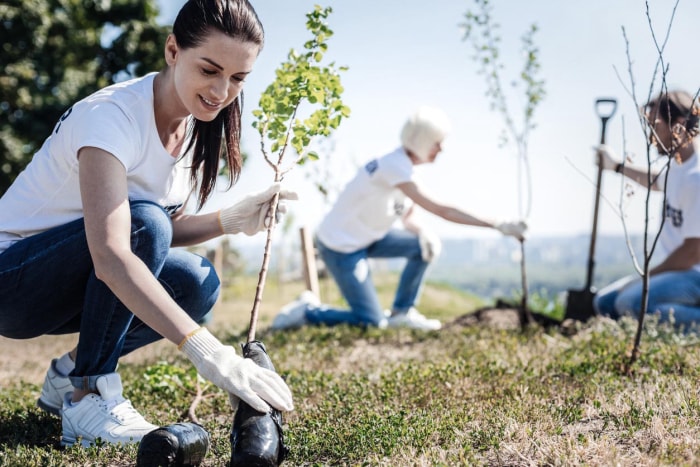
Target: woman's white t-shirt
(119, 119)
(369, 204)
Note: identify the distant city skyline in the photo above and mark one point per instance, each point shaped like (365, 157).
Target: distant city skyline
(488, 267)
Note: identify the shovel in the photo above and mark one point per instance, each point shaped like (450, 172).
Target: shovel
(579, 303)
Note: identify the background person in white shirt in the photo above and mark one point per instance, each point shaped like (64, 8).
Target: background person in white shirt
(674, 284)
(360, 224)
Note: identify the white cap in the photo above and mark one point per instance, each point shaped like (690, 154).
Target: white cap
(427, 126)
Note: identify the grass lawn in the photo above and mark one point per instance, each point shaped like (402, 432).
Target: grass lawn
(462, 396)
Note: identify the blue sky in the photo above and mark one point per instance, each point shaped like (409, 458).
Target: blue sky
(404, 53)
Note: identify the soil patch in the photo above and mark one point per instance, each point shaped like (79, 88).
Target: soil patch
(499, 318)
(369, 354)
(502, 315)
(27, 360)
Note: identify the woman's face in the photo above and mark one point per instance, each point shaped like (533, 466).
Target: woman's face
(666, 137)
(209, 77)
(661, 137)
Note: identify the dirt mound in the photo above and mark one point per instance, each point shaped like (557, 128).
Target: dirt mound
(502, 315)
(499, 318)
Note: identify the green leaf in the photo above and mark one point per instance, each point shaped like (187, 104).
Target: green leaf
(303, 79)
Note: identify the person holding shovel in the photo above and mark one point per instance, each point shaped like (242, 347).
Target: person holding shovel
(360, 226)
(88, 228)
(674, 283)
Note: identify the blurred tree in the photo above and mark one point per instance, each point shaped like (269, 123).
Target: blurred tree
(55, 52)
(483, 33)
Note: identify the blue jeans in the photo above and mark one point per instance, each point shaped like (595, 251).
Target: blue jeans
(674, 293)
(48, 286)
(352, 273)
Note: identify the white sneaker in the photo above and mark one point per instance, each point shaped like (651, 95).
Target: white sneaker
(414, 320)
(103, 418)
(293, 315)
(55, 387)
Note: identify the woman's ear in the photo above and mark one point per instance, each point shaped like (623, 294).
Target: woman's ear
(171, 50)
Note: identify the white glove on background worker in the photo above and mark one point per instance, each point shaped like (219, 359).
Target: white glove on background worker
(430, 245)
(606, 158)
(513, 229)
(240, 377)
(251, 214)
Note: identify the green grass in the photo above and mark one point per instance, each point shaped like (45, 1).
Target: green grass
(460, 396)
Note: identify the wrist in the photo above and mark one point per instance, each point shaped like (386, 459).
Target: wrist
(619, 167)
(199, 344)
(229, 220)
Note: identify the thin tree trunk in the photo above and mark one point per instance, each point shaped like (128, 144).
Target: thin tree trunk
(640, 320)
(524, 311)
(263, 269)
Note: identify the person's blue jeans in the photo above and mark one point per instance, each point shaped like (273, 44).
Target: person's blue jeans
(674, 293)
(353, 276)
(48, 286)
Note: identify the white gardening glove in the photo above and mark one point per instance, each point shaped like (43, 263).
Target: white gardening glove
(605, 157)
(240, 377)
(513, 229)
(252, 214)
(430, 245)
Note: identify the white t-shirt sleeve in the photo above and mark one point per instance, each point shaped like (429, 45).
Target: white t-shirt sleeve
(106, 126)
(397, 169)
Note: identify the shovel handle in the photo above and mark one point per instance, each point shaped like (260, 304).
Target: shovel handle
(605, 107)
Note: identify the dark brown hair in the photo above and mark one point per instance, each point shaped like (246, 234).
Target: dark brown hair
(221, 137)
(673, 105)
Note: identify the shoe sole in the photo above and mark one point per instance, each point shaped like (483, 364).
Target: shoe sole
(69, 442)
(86, 443)
(66, 443)
(48, 408)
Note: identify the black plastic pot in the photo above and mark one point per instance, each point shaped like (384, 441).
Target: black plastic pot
(176, 445)
(256, 438)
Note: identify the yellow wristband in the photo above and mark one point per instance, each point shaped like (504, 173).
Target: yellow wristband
(179, 347)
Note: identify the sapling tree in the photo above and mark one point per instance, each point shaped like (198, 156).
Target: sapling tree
(482, 32)
(302, 103)
(680, 136)
(285, 126)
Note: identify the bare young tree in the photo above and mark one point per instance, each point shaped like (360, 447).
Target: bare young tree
(482, 32)
(646, 119)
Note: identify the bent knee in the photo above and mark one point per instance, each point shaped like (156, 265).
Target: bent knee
(193, 281)
(151, 216)
(150, 225)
